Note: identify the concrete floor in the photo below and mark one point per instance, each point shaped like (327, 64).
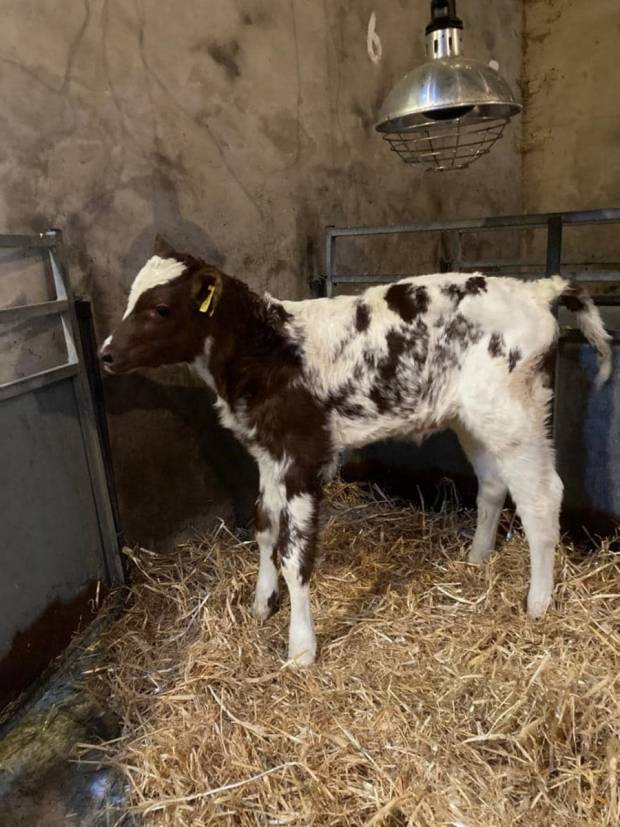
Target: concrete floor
(41, 782)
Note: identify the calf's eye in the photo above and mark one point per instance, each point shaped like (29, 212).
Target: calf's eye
(162, 310)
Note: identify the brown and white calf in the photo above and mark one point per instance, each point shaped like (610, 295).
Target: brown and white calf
(299, 381)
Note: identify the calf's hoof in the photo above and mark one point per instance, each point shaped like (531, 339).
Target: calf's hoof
(302, 653)
(538, 603)
(479, 555)
(265, 606)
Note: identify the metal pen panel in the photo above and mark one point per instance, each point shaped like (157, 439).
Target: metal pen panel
(58, 537)
(554, 222)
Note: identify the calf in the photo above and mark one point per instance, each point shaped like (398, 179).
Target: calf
(299, 381)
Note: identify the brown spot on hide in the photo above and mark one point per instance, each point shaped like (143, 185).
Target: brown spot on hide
(407, 301)
(273, 602)
(475, 285)
(472, 287)
(513, 357)
(496, 345)
(362, 317)
(574, 299)
(262, 520)
(461, 331)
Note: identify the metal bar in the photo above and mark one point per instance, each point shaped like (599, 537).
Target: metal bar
(553, 266)
(554, 245)
(367, 279)
(42, 241)
(8, 255)
(451, 243)
(606, 301)
(497, 222)
(382, 278)
(62, 293)
(59, 280)
(22, 312)
(330, 261)
(84, 317)
(572, 335)
(87, 418)
(37, 380)
(592, 275)
(609, 215)
(504, 263)
(539, 264)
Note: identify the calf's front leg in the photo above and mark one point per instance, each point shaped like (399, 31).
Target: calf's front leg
(266, 596)
(297, 545)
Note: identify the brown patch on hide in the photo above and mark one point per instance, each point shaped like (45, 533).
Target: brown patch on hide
(362, 317)
(497, 345)
(407, 301)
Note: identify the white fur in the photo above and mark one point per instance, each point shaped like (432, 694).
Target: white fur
(272, 499)
(491, 495)
(301, 637)
(510, 306)
(302, 640)
(299, 512)
(156, 271)
(267, 580)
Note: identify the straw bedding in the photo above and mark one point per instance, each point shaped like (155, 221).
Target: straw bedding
(434, 701)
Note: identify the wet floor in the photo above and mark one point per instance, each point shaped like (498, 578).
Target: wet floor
(46, 779)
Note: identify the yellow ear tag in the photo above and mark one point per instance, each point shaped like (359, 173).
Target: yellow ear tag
(204, 307)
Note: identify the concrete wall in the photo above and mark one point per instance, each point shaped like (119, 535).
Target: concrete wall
(239, 130)
(571, 120)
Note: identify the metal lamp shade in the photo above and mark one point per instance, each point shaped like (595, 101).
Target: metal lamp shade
(454, 87)
(449, 111)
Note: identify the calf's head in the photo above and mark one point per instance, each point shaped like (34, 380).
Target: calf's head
(169, 312)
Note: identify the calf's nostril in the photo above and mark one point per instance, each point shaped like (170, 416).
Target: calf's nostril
(107, 358)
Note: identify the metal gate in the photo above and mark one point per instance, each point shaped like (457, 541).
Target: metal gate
(58, 540)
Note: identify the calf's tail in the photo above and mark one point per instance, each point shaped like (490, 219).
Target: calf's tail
(576, 299)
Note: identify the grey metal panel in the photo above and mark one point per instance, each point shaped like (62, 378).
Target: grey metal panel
(57, 532)
(587, 432)
(51, 543)
(87, 419)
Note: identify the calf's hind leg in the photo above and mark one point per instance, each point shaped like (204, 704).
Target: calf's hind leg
(491, 495)
(536, 489)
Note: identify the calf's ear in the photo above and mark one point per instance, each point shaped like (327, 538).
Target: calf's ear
(162, 249)
(207, 289)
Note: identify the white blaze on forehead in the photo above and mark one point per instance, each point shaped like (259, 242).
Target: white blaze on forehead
(156, 271)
